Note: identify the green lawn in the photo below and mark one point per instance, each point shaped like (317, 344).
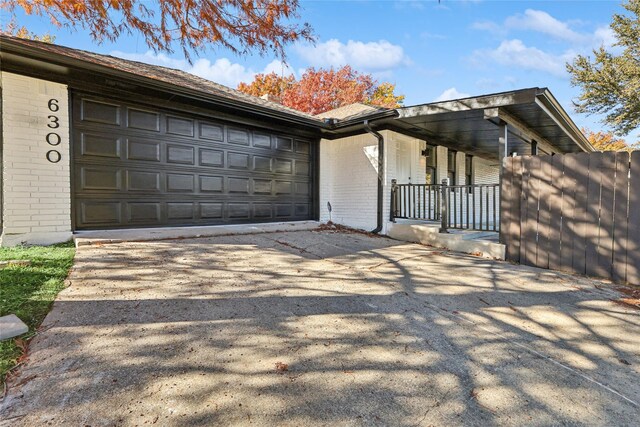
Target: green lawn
(28, 291)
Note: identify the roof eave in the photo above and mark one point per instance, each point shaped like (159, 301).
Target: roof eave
(546, 100)
(33, 53)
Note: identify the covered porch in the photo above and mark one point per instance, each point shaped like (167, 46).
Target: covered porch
(465, 142)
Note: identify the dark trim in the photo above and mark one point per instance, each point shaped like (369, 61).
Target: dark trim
(380, 138)
(72, 173)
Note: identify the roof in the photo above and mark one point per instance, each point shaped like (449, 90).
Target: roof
(351, 111)
(163, 74)
(473, 122)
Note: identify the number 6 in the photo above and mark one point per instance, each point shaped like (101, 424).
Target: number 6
(53, 105)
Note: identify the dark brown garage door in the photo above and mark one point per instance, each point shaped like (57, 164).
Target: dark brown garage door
(141, 167)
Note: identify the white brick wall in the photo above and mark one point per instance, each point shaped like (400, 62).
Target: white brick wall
(36, 194)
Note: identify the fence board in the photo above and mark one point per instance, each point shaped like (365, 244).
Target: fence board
(554, 242)
(604, 249)
(593, 214)
(511, 211)
(568, 234)
(633, 234)
(620, 217)
(544, 192)
(580, 213)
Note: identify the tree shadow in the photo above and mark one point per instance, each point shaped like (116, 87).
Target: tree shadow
(373, 332)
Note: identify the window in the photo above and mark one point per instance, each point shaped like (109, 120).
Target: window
(451, 166)
(468, 161)
(430, 154)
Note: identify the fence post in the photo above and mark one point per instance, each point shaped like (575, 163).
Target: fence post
(444, 206)
(394, 200)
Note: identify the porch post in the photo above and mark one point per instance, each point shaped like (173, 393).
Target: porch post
(444, 206)
(503, 145)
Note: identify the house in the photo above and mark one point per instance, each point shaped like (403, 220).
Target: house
(92, 142)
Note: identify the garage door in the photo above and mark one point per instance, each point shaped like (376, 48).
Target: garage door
(141, 167)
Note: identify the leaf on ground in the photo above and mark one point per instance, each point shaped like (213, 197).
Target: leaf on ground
(281, 367)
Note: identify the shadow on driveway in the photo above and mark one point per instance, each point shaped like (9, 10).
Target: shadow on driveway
(372, 332)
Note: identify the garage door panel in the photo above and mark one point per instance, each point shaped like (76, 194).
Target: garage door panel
(237, 160)
(143, 150)
(211, 184)
(238, 210)
(180, 211)
(92, 212)
(211, 211)
(140, 166)
(238, 136)
(144, 120)
(261, 141)
(180, 126)
(180, 183)
(180, 154)
(93, 145)
(144, 212)
(143, 181)
(100, 178)
(211, 131)
(100, 112)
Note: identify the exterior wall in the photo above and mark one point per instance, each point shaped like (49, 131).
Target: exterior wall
(348, 178)
(441, 163)
(36, 193)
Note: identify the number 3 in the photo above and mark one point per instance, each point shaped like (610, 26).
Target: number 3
(54, 122)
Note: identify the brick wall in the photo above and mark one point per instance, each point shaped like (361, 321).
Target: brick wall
(36, 202)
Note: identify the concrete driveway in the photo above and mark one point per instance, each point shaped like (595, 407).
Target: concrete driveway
(324, 328)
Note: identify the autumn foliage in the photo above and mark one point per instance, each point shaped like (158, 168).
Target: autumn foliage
(321, 90)
(241, 26)
(606, 141)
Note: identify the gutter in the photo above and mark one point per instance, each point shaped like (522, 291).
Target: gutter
(380, 138)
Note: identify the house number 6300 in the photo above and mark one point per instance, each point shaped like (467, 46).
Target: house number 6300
(53, 138)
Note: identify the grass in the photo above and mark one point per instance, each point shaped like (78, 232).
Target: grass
(29, 291)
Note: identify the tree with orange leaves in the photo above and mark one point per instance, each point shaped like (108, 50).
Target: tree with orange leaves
(606, 141)
(241, 26)
(268, 84)
(322, 90)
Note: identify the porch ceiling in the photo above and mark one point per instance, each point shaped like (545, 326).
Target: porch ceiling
(472, 124)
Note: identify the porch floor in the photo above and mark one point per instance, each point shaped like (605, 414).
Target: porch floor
(483, 243)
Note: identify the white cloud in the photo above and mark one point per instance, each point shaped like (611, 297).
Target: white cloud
(380, 55)
(516, 53)
(221, 71)
(451, 93)
(540, 21)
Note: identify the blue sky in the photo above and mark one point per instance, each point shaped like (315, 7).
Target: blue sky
(431, 51)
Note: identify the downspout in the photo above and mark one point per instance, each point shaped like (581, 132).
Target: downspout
(380, 173)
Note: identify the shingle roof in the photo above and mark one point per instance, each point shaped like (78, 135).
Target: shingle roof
(351, 111)
(156, 72)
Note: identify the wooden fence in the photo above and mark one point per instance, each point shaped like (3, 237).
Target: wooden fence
(574, 212)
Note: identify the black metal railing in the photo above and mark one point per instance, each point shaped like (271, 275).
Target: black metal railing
(464, 207)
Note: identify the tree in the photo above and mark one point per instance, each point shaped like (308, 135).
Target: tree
(268, 84)
(321, 90)
(606, 141)
(22, 32)
(384, 96)
(241, 26)
(610, 83)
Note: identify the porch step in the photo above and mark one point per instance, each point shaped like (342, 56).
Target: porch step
(483, 243)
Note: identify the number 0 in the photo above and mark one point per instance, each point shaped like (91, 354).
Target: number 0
(54, 156)
(53, 105)
(53, 139)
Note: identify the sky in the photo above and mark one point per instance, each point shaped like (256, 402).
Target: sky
(432, 51)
